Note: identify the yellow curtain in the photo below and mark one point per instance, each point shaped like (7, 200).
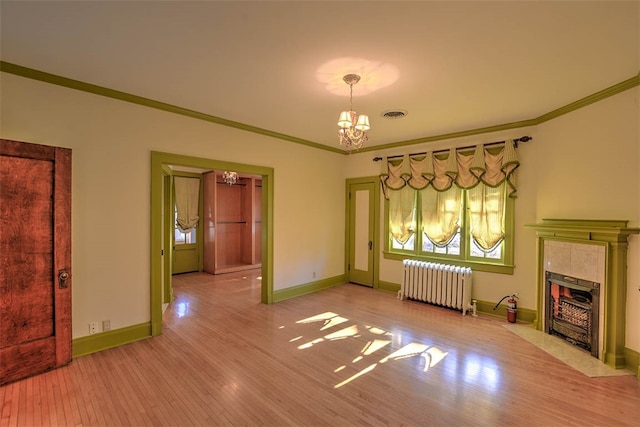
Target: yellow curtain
(488, 177)
(486, 212)
(464, 170)
(440, 214)
(394, 175)
(402, 214)
(187, 194)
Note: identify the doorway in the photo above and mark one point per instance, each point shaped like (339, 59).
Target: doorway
(186, 195)
(159, 162)
(363, 197)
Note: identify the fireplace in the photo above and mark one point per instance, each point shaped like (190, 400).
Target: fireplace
(594, 251)
(572, 310)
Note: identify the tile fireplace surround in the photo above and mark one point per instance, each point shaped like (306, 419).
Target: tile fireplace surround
(593, 250)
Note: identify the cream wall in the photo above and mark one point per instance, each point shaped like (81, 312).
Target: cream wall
(589, 162)
(590, 169)
(111, 142)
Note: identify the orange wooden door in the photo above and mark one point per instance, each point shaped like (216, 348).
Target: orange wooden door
(35, 259)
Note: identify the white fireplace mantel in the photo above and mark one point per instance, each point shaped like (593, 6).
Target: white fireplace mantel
(613, 236)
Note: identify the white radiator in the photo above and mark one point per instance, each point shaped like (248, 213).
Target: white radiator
(439, 284)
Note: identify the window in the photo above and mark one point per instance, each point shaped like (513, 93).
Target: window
(455, 209)
(181, 238)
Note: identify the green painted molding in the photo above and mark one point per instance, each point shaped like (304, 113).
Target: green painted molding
(613, 235)
(576, 105)
(42, 76)
(452, 135)
(159, 160)
(588, 100)
(525, 315)
(115, 338)
(591, 229)
(632, 359)
(475, 266)
(308, 288)
(388, 286)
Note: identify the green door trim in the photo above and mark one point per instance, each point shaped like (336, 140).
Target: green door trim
(160, 161)
(374, 218)
(167, 252)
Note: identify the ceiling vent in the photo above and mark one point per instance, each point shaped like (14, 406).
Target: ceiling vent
(394, 114)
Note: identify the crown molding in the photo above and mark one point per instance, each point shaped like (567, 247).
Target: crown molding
(42, 76)
(576, 105)
(460, 134)
(54, 79)
(588, 100)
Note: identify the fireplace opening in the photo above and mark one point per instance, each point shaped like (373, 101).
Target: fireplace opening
(572, 310)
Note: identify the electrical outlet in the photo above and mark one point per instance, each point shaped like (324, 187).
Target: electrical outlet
(106, 325)
(93, 327)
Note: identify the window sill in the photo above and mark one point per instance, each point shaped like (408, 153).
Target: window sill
(474, 265)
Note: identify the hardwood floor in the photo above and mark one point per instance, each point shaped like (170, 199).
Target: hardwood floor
(226, 359)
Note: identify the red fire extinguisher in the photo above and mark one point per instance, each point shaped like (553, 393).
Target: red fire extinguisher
(512, 306)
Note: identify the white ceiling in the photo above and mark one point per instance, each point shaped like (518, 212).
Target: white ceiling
(453, 66)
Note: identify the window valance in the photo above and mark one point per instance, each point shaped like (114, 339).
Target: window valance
(464, 169)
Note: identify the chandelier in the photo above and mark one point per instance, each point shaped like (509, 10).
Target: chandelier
(353, 128)
(230, 177)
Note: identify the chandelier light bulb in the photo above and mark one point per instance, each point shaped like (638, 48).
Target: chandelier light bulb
(363, 123)
(345, 119)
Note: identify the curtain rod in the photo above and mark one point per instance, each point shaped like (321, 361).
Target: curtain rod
(515, 144)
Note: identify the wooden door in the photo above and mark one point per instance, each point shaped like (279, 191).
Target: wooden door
(35, 258)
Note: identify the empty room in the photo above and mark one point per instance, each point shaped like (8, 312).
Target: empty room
(320, 213)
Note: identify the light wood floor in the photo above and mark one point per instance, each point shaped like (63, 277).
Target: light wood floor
(226, 359)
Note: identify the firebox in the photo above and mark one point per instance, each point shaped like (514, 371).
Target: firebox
(572, 310)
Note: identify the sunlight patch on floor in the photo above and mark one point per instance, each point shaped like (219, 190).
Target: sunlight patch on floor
(432, 355)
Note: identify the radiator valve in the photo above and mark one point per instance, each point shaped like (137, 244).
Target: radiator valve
(474, 308)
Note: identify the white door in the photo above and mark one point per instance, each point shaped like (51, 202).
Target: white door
(361, 231)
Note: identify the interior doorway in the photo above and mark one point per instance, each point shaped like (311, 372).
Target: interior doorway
(363, 198)
(159, 164)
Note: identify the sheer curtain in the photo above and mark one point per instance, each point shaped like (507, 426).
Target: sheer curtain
(440, 214)
(401, 198)
(402, 214)
(486, 213)
(187, 193)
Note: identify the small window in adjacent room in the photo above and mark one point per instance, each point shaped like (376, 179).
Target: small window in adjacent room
(181, 238)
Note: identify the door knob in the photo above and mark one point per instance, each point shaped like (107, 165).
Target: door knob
(63, 278)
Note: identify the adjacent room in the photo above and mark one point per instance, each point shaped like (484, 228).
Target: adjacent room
(320, 213)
